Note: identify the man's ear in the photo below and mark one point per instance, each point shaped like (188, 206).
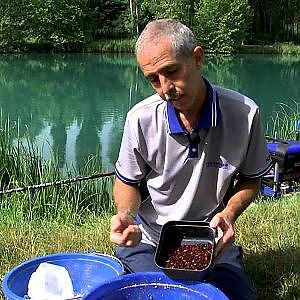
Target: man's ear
(199, 57)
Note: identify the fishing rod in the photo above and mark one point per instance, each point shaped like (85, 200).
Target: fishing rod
(56, 183)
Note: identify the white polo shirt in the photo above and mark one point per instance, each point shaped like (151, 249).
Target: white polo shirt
(188, 175)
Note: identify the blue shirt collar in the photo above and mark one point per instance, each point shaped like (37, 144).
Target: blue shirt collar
(210, 117)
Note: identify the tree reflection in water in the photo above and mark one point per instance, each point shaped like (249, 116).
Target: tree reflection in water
(83, 98)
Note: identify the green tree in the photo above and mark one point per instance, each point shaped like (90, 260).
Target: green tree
(107, 18)
(221, 24)
(58, 22)
(14, 19)
(275, 20)
(218, 24)
(180, 10)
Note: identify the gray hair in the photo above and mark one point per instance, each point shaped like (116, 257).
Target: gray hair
(182, 38)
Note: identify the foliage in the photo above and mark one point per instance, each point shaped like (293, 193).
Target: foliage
(111, 46)
(14, 19)
(52, 23)
(277, 48)
(107, 18)
(57, 22)
(167, 9)
(275, 21)
(221, 24)
(288, 49)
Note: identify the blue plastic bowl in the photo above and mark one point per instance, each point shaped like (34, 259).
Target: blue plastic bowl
(87, 271)
(153, 286)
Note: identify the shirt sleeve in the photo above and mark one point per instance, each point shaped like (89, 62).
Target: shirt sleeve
(130, 166)
(258, 160)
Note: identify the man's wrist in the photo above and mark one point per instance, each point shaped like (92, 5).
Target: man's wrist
(128, 212)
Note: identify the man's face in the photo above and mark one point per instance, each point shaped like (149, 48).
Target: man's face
(175, 79)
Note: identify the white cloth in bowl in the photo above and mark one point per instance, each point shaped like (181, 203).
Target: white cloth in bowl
(50, 282)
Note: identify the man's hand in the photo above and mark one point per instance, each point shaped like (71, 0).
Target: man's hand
(243, 194)
(225, 230)
(124, 230)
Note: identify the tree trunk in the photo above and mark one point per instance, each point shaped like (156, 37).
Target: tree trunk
(132, 15)
(137, 20)
(191, 13)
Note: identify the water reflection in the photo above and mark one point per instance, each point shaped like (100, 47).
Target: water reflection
(268, 79)
(75, 104)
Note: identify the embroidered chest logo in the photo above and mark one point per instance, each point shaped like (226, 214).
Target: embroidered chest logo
(217, 164)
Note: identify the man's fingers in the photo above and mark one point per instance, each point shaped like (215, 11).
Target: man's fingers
(214, 221)
(134, 236)
(224, 242)
(115, 224)
(117, 238)
(129, 237)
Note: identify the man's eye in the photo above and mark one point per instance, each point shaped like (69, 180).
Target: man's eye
(153, 79)
(171, 71)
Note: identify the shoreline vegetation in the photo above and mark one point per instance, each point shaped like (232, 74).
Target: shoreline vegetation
(76, 217)
(127, 46)
(119, 46)
(222, 26)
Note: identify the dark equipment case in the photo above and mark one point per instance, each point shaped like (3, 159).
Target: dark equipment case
(284, 177)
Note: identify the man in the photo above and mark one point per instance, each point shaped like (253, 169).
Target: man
(197, 150)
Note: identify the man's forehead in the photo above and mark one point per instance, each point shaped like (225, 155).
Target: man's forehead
(156, 58)
(160, 70)
(151, 48)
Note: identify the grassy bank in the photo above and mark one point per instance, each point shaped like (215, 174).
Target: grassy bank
(75, 218)
(21, 165)
(110, 46)
(279, 48)
(128, 45)
(268, 232)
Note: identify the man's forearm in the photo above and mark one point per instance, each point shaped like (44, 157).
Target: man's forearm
(244, 193)
(127, 198)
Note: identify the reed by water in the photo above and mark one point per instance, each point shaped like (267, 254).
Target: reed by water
(75, 217)
(128, 46)
(283, 120)
(22, 165)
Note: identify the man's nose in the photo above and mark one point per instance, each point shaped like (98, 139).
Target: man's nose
(166, 84)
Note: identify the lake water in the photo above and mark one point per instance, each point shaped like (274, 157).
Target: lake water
(75, 104)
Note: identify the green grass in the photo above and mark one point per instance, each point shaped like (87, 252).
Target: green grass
(111, 46)
(24, 240)
(128, 46)
(282, 123)
(277, 48)
(23, 166)
(268, 231)
(75, 218)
